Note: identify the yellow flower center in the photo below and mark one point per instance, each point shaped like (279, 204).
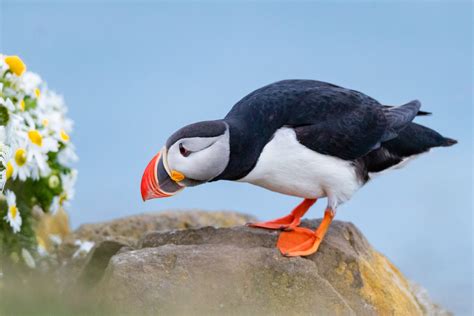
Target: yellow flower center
(20, 157)
(37, 92)
(35, 137)
(45, 122)
(16, 65)
(9, 170)
(64, 135)
(22, 105)
(13, 211)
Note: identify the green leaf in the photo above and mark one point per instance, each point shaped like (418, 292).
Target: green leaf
(29, 103)
(4, 116)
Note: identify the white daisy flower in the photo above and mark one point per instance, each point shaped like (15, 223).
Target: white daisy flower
(18, 166)
(68, 181)
(51, 112)
(8, 104)
(38, 146)
(3, 65)
(5, 154)
(13, 215)
(3, 135)
(57, 124)
(14, 126)
(67, 155)
(30, 83)
(51, 101)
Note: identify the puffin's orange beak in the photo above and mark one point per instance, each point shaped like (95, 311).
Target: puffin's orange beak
(156, 181)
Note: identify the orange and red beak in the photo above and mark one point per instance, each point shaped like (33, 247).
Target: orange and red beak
(156, 181)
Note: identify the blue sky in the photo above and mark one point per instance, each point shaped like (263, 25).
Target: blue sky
(134, 73)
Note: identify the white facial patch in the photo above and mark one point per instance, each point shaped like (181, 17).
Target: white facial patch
(208, 156)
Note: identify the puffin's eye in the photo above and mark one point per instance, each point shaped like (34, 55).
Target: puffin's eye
(183, 150)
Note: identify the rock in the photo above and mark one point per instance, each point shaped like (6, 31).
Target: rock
(97, 261)
(238, 270)
(109, 237)
(130, 229)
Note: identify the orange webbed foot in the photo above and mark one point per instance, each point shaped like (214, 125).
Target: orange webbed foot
(299, 242)
(303, 241)
(288, 222)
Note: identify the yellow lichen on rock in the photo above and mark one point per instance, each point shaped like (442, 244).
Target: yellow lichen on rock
(385, 288)
(346, 271)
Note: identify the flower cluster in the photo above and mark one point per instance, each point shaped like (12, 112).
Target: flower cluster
(35, 155)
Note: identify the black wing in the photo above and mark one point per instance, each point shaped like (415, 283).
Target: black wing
(353, 125)
(347, 124)
(348, 137)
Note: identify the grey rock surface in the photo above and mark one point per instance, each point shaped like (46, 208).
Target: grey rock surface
(238, 270)
(131, 228)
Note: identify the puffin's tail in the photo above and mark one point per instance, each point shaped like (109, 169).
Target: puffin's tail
(413, 140)
(416, 139)
(398, 117)
(403, 138)
(401, 117)
(420, 112)
(448, 142)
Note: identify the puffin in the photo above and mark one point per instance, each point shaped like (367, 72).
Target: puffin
(303, 138)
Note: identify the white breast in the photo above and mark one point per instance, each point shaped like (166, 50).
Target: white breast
(287, 167)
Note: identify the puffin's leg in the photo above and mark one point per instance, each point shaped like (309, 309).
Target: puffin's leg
(303, 241)
(290, 221)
